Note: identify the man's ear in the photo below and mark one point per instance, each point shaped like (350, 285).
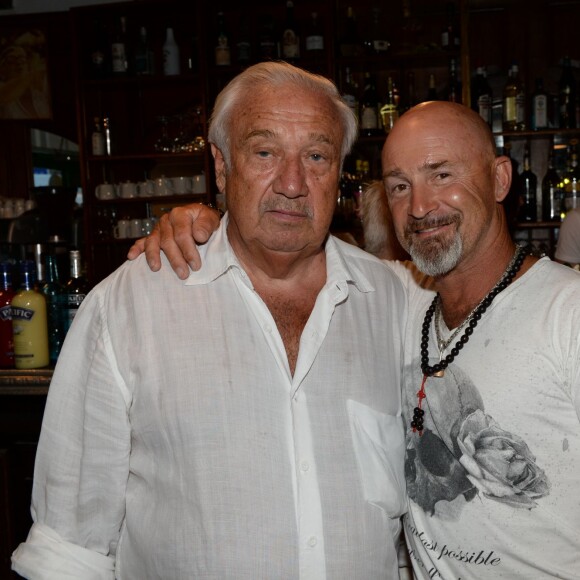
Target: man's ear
(220, 168)
(502, 177)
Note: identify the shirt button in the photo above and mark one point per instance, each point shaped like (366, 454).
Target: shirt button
(268, 328)
(312, 542)
(305, 466)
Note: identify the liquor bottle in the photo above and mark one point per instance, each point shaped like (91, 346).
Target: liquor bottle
(528, 207)
(29, 323)
(567, 96)
(375, 41)
(75, 290)
(552, 194)
(572, 179)
(450, 39)
(539, 102)
(454, 88)
(244, 44)
(390, 110)
(369, 110)
(481, 96)
(193, 57)
(6, 335)
(143, 54)
(314, 41)
(267, 45)
(38, 255)
(432, 91)
(350, 92)
(411, 92)
(119, 61)
(98, 138)
(514, 101)
(52, 290)
(171, 57)
(107, 133)
(511, 202)
(350, 43)
(290, 36)
(99, 55)
(222, 49)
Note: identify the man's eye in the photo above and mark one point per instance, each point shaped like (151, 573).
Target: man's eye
(263, 153)
(442, 175)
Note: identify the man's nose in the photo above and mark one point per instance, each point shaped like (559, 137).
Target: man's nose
(422, 201)
(291, 181)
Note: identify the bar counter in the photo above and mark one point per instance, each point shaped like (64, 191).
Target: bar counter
(25, 382)
(22, 400)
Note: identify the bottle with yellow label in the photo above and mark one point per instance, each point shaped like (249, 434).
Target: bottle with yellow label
(29, 322)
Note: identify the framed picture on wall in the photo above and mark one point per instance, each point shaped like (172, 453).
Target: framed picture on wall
(24, 79)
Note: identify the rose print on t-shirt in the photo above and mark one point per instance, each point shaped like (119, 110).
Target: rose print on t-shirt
(464, 452)
(499, 463)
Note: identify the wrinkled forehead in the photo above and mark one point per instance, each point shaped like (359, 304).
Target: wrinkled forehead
(425, 140)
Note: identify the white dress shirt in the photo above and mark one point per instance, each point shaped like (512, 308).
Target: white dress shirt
(176, 444)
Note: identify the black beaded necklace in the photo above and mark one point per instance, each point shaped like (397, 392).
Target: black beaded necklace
(438, 369)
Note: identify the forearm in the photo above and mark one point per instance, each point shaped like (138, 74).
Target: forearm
(81, 467)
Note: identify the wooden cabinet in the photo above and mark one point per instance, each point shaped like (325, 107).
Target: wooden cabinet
(157, 124)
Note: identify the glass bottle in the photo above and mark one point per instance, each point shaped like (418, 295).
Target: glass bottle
(99, 55)
(244, 44)
(375, 41)
(450, 39)
(390, 110)
(454, 88)
(572, 179)
(267, 45)
(29, 322)
(552, 193)
(514, 101)
(314, 41)
(290, 36)
(222, 49)
(171, 58)
(350, 92)
(350, 43)
(432, 91)
(411, 92)
(75, 289)
(511, 202)
(481, 95)
(98, 138)
(143, 54)
(52, 290)
(369, 110)
(119, 62)
(6, 335)
(539, 102)
(528, 207)
(567, 96)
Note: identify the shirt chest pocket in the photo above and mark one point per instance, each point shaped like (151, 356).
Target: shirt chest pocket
(379, 444)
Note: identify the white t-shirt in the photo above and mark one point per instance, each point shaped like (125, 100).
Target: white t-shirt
(568, 248)
(493, 482)
(176, 444)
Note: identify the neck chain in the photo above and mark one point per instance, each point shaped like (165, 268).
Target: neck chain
(438, 369)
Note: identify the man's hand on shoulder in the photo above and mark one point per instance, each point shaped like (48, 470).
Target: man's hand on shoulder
(176, 234)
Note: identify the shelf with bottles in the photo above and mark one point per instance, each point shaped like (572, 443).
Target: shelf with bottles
(403, 32)
(293, 30)
(137, 41)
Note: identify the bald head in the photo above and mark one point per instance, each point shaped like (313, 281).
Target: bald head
(456, 121)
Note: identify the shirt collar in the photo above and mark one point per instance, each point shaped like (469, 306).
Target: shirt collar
(217, 257)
